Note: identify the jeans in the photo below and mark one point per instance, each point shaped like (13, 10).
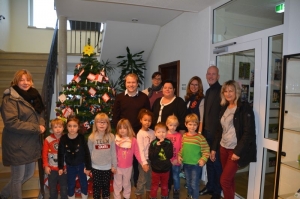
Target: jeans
(72, 172)
(214, 169)
(19, 175)
(144, 181)
(176, 178)
(192, 173)
(55, 179)
(230, 168)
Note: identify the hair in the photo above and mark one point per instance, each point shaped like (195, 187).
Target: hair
(160, 125)
(126, 124)
(170, 82)
(102, 116)
(74, 119)
(156, 74)
(172, 119)
(189, 93)
(192, 118)
(132, 75)
(213, 66)
(57, 121)
(237, 88)
(144, 112)
(18, 75)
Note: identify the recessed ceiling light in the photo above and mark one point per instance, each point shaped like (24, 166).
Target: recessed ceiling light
(134, 20)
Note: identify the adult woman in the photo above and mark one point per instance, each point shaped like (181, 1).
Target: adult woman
(154, 91)
(21, 145)
(168, 105)
(194, 99)
(235, 137)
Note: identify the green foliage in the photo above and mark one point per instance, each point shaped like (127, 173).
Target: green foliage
(131, 63)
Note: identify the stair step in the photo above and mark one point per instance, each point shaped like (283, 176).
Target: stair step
(24, 63)
(21, 55)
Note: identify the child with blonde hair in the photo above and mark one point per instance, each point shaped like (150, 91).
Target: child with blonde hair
(126, 147)
(175, 137)
(193, 154)
(101, 143)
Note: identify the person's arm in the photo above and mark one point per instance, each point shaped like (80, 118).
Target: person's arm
(61, 153)
(113, 151)
(87, 155)
(205, 150)
(201, 110)
(140, 141)
(168, 147)
(116, 110)
(154, 150)
(181, 113)
(136, 151)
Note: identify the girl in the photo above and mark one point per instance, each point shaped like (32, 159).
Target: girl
(126, 146)
(144, 138)
(73, 150)
(101, 143)
(175, 137)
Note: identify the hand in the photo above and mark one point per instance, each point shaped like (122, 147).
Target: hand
(201, 163)
(87, 172)
(42, 129)
(174, 162)
(180, 160)
(60, 172)
(234, 157)
(47, 170)
(113, 170)
(213, 156)
(65, 171)
(146, 167)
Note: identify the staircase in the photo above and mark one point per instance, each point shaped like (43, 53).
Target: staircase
(36, 64)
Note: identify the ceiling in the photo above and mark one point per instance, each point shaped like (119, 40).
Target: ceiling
(154, 12)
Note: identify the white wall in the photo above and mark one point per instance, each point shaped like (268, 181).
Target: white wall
(186, 38)
(4, 24)
(291, 36)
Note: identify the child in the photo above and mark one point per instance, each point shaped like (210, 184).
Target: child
(193, 154)
(175, 137)
(126, 146)
(160, 153)
(74, 151)
(50, 161)
(102, 147)
(144, 138)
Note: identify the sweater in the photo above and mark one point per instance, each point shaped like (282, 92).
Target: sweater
(176, 141)
(125, 153)
(74, 152)
(103, 151)
(144, 138)
(194, 148)
(129, 108)
(160, 155)
(50, 149)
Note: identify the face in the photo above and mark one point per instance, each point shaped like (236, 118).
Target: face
(101, 125)
(57, 129)
(24, 83)
(156, 81)
(168, 90)
(131, 84)
(146, 121)
(229, 94)
(191, 126)
(172, 127)
(212, 75)
(161, 133)
(194, 86)
(72, 127)
(123, 131)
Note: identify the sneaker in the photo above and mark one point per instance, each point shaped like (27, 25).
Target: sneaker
(189, 197)
(181, 175)
(175, 194)
(185, 185)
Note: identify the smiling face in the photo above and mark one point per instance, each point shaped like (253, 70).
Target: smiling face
(194, 86)
(123, 131)
(168, 90)
(131, 84)
(212, 75)
(172, 127)
(156, 81)
(230, 94)
(191, 126)
(146, 122)
(24, 83)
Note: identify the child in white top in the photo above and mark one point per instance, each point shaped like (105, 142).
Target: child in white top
(144, 138)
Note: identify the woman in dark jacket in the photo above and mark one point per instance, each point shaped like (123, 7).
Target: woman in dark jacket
(21, 145)
(235, 137)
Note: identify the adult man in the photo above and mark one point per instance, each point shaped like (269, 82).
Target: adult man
(211, 118)
(127, 105)
(154, 91)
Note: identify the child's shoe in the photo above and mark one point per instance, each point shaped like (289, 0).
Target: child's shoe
(175, 194)
(164, 197)
(189, 197)
(84, 196)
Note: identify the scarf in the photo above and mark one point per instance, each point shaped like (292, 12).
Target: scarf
(123, 142)
(153, 88)
(33, 97)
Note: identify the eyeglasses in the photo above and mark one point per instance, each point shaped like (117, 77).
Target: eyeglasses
(194, 85)
(157, 79)
(101, 122)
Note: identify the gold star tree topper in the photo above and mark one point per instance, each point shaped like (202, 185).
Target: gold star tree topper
(88, 50)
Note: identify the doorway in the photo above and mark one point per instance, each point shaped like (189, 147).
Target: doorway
(171, 71)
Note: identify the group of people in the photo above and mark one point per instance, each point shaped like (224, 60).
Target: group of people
(216, 129)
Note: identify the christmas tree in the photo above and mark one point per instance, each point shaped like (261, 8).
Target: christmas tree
(88, 94)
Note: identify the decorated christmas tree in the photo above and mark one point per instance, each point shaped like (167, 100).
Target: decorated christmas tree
(88, 93)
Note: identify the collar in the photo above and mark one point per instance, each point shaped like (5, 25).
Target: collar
(136, 94)
(215, 85)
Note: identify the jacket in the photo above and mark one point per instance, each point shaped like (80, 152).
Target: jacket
(244, 125)
(21, 142)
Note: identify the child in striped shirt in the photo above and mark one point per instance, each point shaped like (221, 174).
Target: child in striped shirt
(193, 154)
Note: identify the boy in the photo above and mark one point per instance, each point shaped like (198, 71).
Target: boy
(193, 154)
(50, 149)
(160, 153)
